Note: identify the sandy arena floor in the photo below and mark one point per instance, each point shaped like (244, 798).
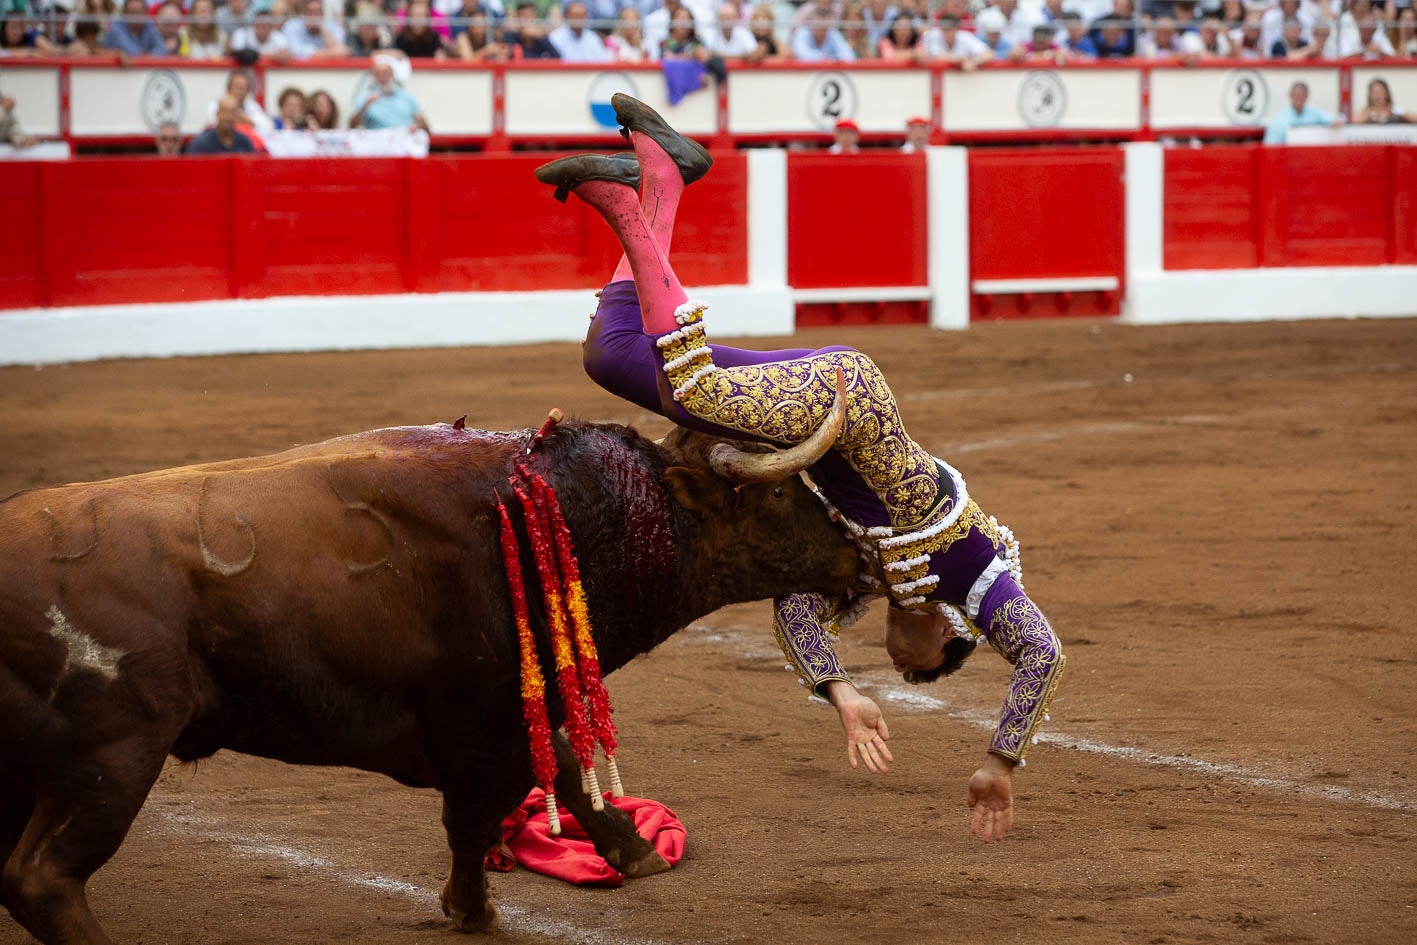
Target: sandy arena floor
(1220, 520)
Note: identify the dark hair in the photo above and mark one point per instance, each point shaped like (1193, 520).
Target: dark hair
(956, 650)
(1386, 88)
(914, 33)
(1073, 16)
(86, 27)
(287, 92)
(334, 108)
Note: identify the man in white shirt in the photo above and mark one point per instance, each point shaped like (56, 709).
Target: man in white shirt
(1363, 38)
(1019, 23)
(261, 37)
(574, 41)
(948, 43)
(657, 23)
(731, 39)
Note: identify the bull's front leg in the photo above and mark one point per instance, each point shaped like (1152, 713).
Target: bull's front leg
(474, 805)
(611, 829)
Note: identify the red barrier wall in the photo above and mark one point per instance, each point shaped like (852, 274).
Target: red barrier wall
(90, 232)
(1248, 207)
(1043, 214)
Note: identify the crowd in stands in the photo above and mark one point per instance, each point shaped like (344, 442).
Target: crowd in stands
(966, 32)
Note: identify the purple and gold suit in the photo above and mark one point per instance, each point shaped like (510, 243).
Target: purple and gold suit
(927, 546)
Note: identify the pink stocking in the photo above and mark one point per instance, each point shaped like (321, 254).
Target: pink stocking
(659, 289)
(661, 187)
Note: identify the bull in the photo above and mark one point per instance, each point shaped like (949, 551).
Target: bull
(345, 604)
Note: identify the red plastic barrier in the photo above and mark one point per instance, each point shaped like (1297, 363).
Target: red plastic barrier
(116, 230)
(1248, 207)
(1045, 215)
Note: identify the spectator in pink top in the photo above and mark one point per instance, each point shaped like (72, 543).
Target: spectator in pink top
(902, 43)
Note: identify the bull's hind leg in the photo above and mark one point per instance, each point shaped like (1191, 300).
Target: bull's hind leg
(16, 806)
(474, 804)
(611, 830)
(83, 808)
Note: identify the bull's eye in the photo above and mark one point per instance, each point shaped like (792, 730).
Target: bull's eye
(778, 492)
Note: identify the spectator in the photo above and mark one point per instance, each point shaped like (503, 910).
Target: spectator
(170, 28)
(1406, 45)
(417, 39)
(989, 26)
(368, 35)
(1232, 14)
(134, 34)
(959, 9)
(1275, 18)
(879, 15)
(949, 43)
(238, 86)
(604, 15)
(474, 39)
(1183, 15)
(1052, 14)
(205, 40)
(731, 38)
(1299, 113)
(1365, 41)
(17, 41)
(855, 31)
(683, 40)
(11, 131)
(86, 41)
(168, 139)
(324, 113)
(1076, 43)
(574, 40)
(627, 43)
(656, 23)
(391, 105)
(846, 138)
(763, 25)
(223, 138)
(1018, 22)
(917, 135)
(233, 15)
(293, 110)
(1113, 39)
(526, 36)
(1209, 42)
(1041, 48)
(100, 11)
(903, 43)
(1322, 44)
(1162, 41)
(1247, 41)
(1380, 110)
(817, 41)
(261, 39)
(312, 35)
(1291, 41)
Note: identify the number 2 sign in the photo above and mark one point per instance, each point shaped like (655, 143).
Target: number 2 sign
(1245, 97)
(831, 96)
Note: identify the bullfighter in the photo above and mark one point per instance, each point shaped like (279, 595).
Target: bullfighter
(951, 572)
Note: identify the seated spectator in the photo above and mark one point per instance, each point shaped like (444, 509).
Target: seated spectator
(253, 116)
(368, 35)
(205, 40)
(731, 38)
(904, 42)
(846, 138)
(324, 113)
(12, 132)
(391, 105)
(223, 138)
(1018, 21)
(917, 134)
(170, 28)
(1161, 41)
(1291, 42)
(86, 40)
(1379, 109)
(627, 43)
(1052, 14)
(574, 40)
(947, 42)
(1247, 40)
(1076, 43)
(293, 110)
(475, 40)
(762, 23)
(233, 15)
(526, 36)
(989, 26)
(1209, 42)
(134, 34)
(261, 39)
(879, 16)
(958, 9)
(818, 41)
(855, 32)
(1365, 41)
(17, 39)
(1322, 44)
(1184, 16)
(1274, 18)
(1113, 39)
(100, 11)
(1406, 45)
(417, 39)
(1040, 48)
(168, 139)
(312, 35)
(683, 40)
(1299, 112)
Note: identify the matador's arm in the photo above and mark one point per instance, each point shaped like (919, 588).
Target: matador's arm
(1023, 636)
(806, 628)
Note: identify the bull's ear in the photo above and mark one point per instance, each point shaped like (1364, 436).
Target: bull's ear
(696, 489)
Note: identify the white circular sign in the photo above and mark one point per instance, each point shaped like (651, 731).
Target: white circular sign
(1245, 97)
(602, 87)
(163, 99)
(831, 97)
(1042, 99)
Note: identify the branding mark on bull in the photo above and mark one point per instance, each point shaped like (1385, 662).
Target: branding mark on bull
(215, 564)
(84, 652)
(364, 508)
(56, 536)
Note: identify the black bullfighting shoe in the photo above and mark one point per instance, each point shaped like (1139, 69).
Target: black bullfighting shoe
(568, 172)
(691, 157)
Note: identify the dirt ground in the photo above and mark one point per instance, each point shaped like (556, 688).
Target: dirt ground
(1220, 520)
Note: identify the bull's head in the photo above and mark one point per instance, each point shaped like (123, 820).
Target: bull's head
(761, 531)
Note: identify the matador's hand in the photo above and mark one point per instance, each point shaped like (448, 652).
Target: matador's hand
(866, 730)
(991, 795)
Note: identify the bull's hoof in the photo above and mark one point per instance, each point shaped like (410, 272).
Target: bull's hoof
(646, 865)
(474, 921)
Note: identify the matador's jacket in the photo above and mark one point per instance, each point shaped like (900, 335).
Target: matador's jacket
(926, 545)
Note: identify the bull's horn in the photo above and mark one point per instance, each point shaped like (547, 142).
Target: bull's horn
(737, 465)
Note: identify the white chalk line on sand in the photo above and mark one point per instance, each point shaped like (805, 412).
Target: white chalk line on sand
(512, 918)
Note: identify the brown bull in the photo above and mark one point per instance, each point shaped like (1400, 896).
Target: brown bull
(345, 604)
